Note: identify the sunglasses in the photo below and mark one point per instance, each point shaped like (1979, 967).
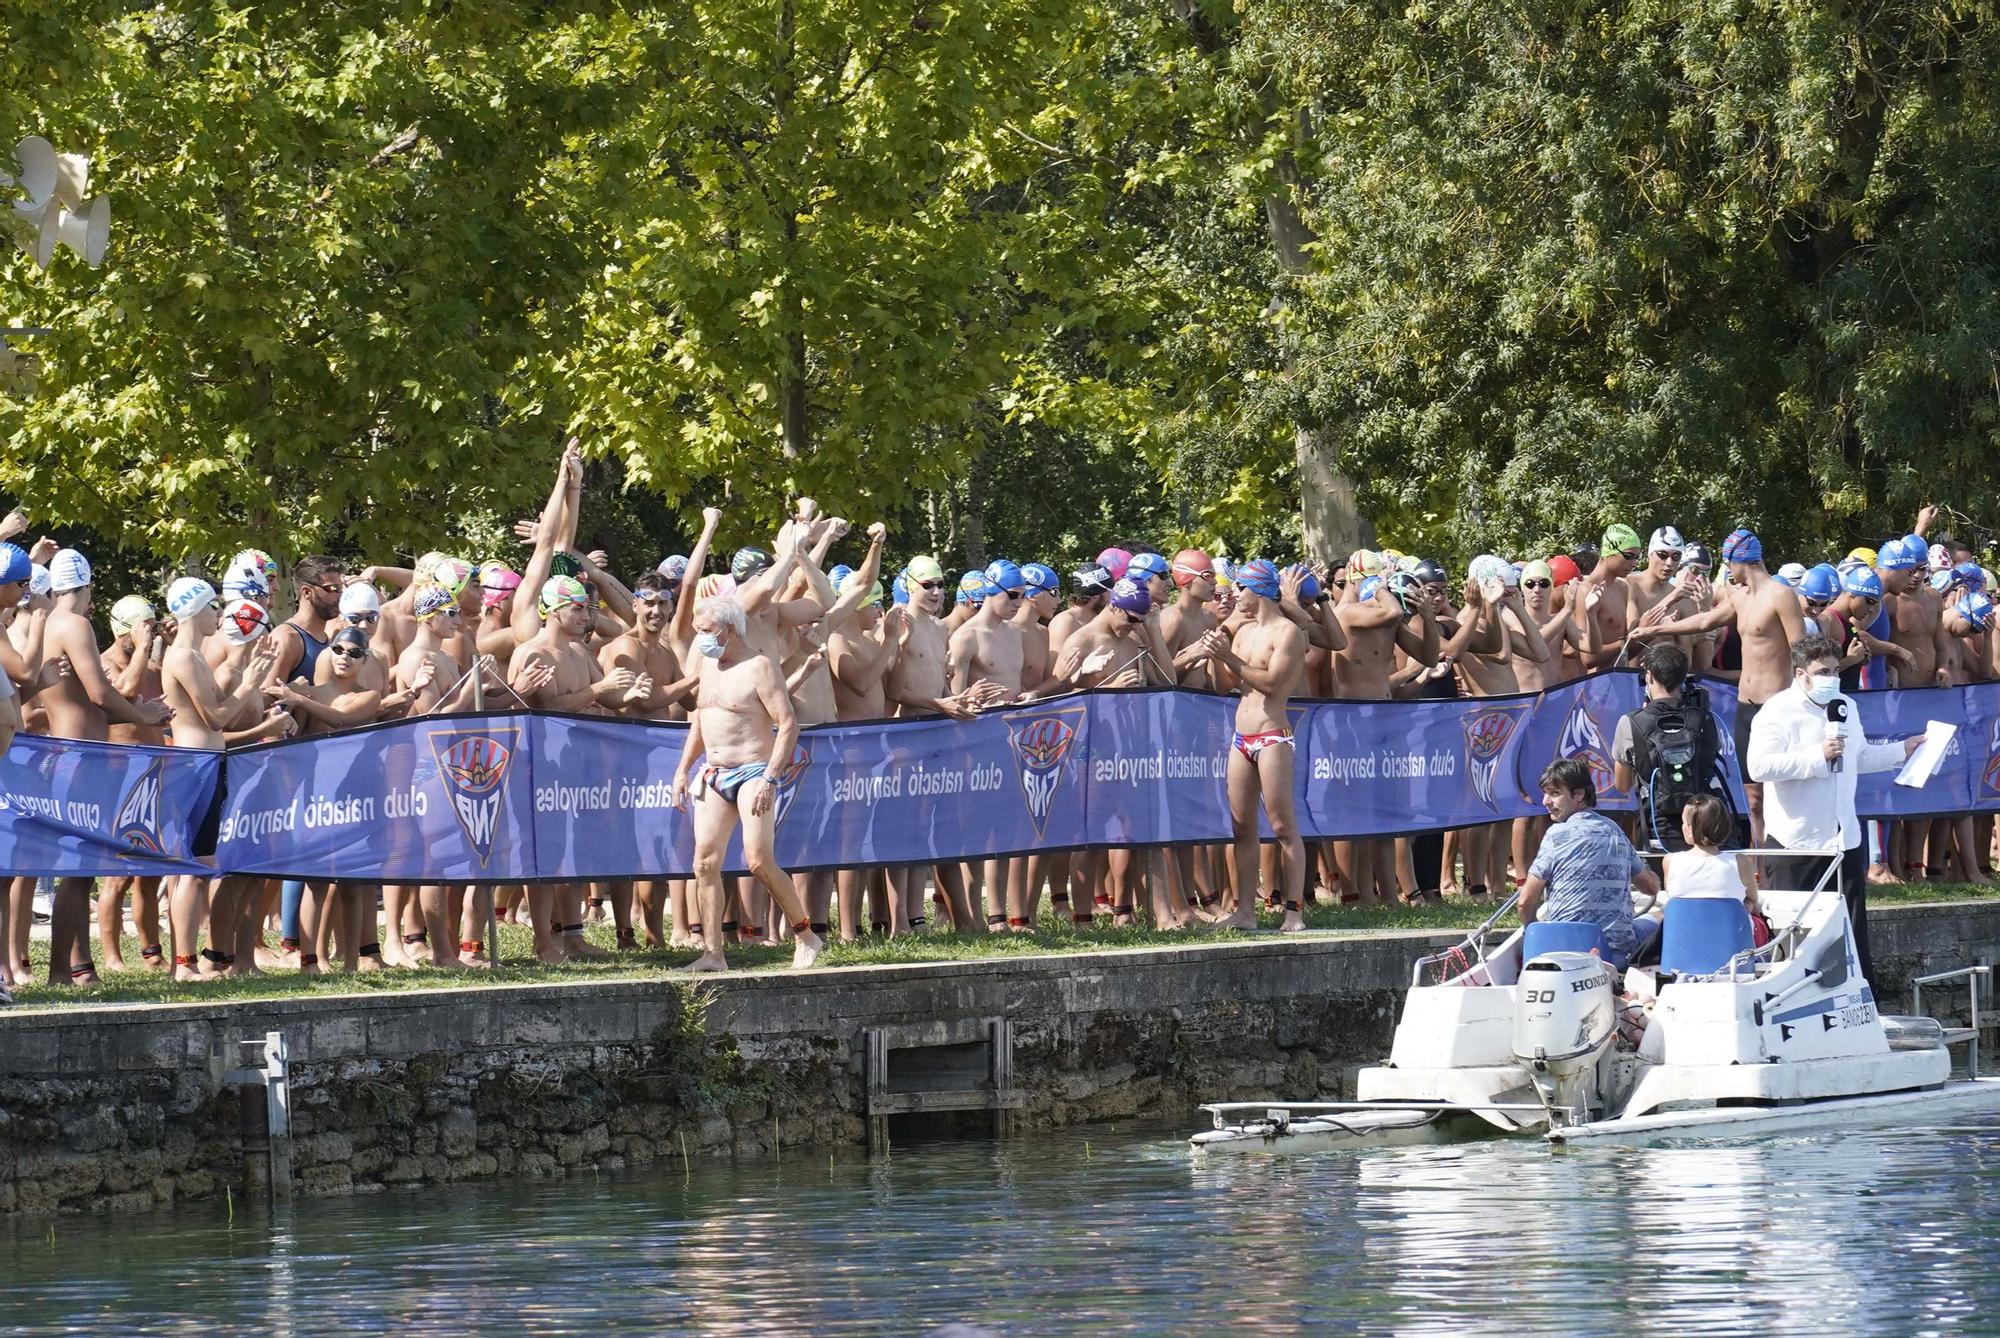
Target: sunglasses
(361, 619)
(1537, 585)
(334, 586)
(349, 652)
(1127, 618)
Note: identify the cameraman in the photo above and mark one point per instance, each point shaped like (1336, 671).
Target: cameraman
(1670, 749)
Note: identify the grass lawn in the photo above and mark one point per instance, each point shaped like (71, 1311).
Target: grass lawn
(1051, 936)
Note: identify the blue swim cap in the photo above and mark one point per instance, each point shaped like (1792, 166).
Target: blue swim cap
(972, 587)
(839, 574)
(1309, 586)
(1918, 548)
(901, 588)
(1976, 609)
(1895, 556)
(1002, 575)
(1147, 564)
(1821, 583)
(1259, 577)
(1970, 575)
(1042, 579)
(1742, 546)
(1862, 581)
(14, 564)
(1369, 585)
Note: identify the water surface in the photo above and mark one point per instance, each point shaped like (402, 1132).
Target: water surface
(1101, 1229)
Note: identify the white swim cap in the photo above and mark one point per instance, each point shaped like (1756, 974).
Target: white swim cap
(244, 621)
(360, 597)
(68, 570)
(38, 581)
(245, 579)
(257, 560)
(189, 595)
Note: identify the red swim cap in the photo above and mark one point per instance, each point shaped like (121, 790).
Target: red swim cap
(1563, 570)
(1190, 563)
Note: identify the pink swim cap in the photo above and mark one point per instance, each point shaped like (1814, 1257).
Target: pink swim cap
(1115, 561)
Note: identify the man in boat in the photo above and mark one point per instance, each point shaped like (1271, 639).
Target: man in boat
(1586, 869)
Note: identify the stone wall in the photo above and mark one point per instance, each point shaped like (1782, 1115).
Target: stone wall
(124, 1107)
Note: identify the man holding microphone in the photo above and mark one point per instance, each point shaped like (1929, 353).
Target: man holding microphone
(1808, 748)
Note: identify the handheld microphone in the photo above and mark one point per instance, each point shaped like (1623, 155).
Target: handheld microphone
(1836, 716)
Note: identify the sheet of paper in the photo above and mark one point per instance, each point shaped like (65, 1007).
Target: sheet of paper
(1923, 764)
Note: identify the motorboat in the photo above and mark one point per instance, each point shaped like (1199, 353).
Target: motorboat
(1540, 1036)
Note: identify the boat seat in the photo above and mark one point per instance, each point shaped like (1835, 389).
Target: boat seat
(1562, 936)
(1701, 934)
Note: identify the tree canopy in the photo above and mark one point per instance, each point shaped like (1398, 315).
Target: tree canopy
(1024, 279)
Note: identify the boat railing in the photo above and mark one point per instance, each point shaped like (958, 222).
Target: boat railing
(1967, 1036)
(1476, 941)
(1783, 940)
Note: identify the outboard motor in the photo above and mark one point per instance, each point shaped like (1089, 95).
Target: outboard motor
(1565, 1019)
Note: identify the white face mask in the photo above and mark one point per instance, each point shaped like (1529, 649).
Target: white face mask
(709, 644)
(1822, 688)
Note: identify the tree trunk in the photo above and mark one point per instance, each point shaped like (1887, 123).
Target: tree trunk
(974, 529)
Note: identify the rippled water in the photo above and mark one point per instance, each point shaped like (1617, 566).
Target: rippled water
(1091, 1229)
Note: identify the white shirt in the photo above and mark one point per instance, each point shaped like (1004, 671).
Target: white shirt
(1806, 802)
(1695, 874)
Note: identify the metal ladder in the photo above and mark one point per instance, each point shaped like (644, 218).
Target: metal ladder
(1967, 1036)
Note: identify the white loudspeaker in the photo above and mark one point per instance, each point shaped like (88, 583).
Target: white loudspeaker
(39, 169)
(72, 179)
(87, 232)
(36, 228)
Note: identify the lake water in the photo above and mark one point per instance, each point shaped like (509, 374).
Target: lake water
(1106, 1228)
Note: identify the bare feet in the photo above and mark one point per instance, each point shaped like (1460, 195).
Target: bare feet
(550, 953)
(370, 962)
(156, 962)
(188, 974)
(1294, 922)
(579, 947)
(113, 961)
(806, 950)
(708, 961)
(1879, 875)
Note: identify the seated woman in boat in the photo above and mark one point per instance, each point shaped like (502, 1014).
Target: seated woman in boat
(1586, 868)
(1702, 870)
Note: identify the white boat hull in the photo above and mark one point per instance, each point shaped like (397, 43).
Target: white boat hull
(1361, 1128)
(1962, 1097)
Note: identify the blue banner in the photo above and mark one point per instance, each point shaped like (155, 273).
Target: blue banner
(520, 796)
(103, 809)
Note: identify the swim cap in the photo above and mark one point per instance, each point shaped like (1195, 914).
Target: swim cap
(673, 569)
(923, 567)
(38, 579)
(427, 564)
(1002, 575)
(556, 592)
(1259, 577)
(1867, 555)
(564, 564)
(1791, 574)
(1308, 583)
(257, 560)
(1895, 556)
(1940, 581)
(900, 591)
(747, 563)
(1489, 573)
(1538, 570)
(245, 581)
(1190, 565)
(839, 575)
(362, 597)
(1041, 579)
(1918, 548)
(1970, 575)
(1092, 579)
(1225, 572)
(433, 598)
(189, 595)
(1820, 583)
(350, 636)
(1619, 539)
(498, 582)
(1863, 582)
(1666, 539)
(710, 586)
(14, 564)
(1697, 556)
(1132, 597)
(1365, 562)
(129, 612)
(1742, 546)
(452, 574)
(1368, 588)
(68, 570)
(972, 587)
(244, 621)
(1976, 609)
(1409, 562)
(1562, 568)
(1146, 564)
(1115, 560)
(852, 582)
(1941, 556)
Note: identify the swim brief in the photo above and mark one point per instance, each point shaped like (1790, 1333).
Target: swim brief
(727, 781)
(1250, 745)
